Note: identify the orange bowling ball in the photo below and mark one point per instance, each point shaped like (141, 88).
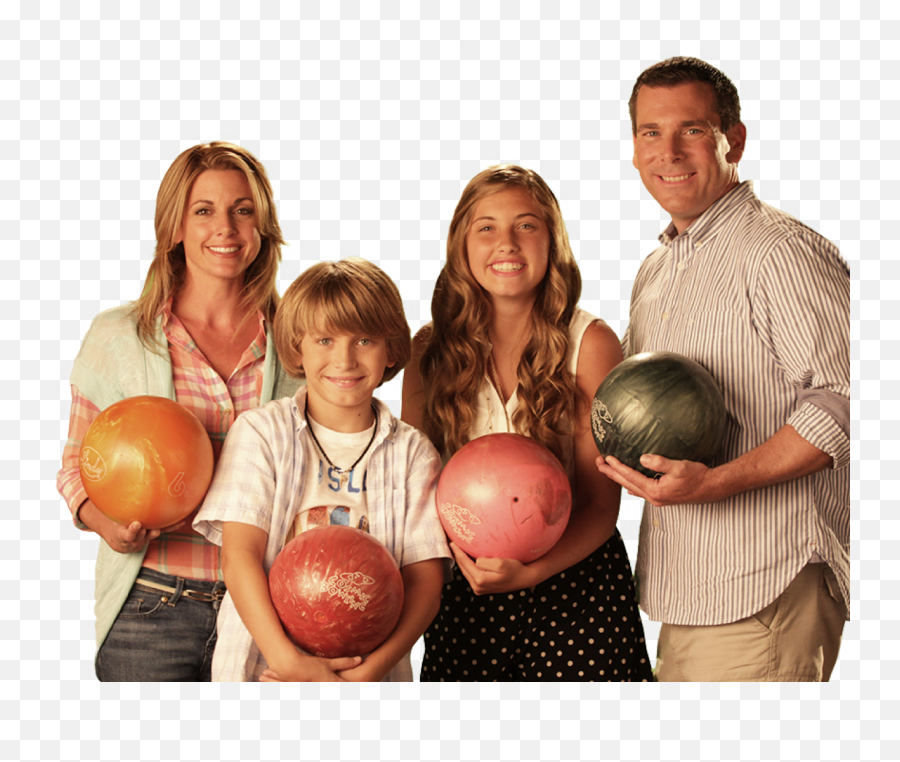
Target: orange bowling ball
(146, 459)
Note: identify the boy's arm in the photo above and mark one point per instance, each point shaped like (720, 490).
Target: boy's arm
(422, 585)
(243, 551)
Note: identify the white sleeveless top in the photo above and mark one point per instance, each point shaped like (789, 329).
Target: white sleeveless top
(493, 417)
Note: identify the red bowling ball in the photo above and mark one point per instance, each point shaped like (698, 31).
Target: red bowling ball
(337, 591)
(146, 459)
(504, 496)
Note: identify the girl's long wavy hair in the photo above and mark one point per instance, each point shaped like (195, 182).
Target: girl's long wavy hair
(454, 361)
(168, 269)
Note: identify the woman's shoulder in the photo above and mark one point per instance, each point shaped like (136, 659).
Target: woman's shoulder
(115, 321)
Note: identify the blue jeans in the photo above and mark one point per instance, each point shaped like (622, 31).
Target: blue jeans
(160, 636)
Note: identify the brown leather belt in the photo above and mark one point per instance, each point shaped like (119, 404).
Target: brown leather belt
(195, 595)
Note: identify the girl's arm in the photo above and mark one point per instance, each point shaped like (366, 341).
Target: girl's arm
(422, 584)
(243, 551)
(413, 394)
(595, 498)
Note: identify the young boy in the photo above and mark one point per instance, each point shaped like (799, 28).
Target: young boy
(331, 454)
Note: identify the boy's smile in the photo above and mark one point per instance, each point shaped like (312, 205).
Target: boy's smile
(342, 372)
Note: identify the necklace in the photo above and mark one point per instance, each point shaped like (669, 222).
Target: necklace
(344, 474)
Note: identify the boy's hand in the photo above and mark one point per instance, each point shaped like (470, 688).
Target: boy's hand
(310, 669)
(363, 673)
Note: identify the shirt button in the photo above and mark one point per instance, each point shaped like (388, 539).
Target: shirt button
(665, 316)
(681, 265)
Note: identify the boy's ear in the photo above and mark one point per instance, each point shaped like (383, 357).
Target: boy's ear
(297, 362)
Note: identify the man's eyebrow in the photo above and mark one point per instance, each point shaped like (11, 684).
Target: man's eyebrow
(685, 123)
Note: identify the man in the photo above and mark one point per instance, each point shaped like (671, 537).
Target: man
(746, 563)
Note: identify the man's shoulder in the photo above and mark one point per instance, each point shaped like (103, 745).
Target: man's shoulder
(767, 227)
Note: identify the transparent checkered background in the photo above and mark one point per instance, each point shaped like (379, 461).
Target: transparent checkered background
(370, 118)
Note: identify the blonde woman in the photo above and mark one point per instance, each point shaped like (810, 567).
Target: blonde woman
(509, 350)
(199, 334)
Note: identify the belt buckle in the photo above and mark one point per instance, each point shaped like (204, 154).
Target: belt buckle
(198, 595)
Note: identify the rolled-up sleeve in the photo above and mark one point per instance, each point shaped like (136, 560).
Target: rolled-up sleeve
(802, 309)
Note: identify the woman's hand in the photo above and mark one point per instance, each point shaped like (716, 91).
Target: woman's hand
(134, 537)
(488, 576)
(122, 538)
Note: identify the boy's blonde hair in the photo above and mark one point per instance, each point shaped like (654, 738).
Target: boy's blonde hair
(350, 296)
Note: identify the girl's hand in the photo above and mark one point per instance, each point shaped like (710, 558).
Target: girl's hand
(494, 575)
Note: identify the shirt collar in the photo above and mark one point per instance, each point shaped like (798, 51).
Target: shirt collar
(387, 424)
(176, 332)
(708, 224)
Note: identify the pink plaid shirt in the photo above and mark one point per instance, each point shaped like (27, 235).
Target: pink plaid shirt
(215, 402)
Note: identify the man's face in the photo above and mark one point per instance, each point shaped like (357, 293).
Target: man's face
(685, 160)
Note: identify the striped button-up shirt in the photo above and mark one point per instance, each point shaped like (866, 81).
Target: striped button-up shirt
(763, 303)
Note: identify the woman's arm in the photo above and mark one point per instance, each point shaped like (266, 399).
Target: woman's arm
(121, 538)
(595, 499)
(243, 551)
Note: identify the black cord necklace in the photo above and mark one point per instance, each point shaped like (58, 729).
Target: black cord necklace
(344, 474)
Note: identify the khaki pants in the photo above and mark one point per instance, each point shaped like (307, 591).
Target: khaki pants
(794, 639)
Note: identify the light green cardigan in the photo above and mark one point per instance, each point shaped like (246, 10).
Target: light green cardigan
(111, 365)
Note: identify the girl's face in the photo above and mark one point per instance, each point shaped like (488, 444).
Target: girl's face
(508, 245)
(219, 230)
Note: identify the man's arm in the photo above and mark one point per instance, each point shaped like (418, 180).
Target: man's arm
(784, 457)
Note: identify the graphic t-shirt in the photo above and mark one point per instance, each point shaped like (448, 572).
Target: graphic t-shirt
(329, 496)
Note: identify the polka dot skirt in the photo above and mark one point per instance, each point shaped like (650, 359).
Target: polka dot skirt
(581, 625)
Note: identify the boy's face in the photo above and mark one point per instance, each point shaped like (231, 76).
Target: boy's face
(342, 372)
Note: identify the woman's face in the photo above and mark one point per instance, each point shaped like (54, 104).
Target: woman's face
(219, 228)
(508, 245)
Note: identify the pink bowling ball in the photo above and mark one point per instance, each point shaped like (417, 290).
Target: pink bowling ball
(504, 496)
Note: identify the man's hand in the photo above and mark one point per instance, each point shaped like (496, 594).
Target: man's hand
(681, 481)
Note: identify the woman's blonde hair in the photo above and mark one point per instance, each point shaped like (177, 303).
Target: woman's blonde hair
(168, 268)
(349, 296)
(454, 362)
